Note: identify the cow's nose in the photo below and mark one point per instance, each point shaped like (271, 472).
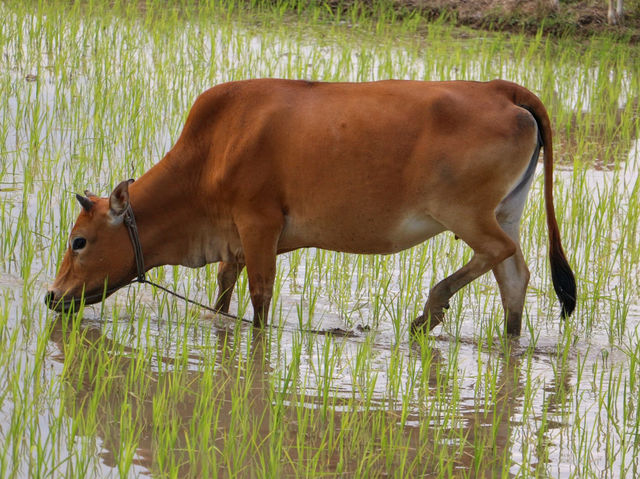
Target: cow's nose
(49, 298)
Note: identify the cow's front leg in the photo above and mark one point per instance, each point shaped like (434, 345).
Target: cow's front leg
(259, 244)
(227, 277)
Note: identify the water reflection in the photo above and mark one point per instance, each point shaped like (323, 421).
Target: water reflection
(118, 395)
(490, 417)
(124, 395)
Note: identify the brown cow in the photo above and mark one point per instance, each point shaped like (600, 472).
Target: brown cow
(267, 166)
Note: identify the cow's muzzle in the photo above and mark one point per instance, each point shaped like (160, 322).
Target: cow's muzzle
(49, 299)
(59, 304)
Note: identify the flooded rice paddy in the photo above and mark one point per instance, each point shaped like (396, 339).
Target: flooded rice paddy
(144, 385)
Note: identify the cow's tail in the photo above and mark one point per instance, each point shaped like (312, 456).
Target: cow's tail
(562, 276)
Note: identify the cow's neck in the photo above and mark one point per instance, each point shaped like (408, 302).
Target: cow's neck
(167, 213)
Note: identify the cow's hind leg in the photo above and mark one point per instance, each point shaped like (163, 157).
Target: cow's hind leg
(491, 246)
(227, 277)
(512, 274)
(513, 277)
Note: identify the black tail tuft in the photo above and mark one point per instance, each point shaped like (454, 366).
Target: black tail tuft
(563, 280)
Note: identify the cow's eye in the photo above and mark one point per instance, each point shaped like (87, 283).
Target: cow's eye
(78, 244)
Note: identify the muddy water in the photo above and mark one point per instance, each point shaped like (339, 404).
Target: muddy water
(555, 400)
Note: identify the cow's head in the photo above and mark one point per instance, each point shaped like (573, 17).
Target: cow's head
(99, 258)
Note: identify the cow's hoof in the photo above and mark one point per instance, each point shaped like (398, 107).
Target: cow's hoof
(425, 323)
(513, 324)
(418, 326)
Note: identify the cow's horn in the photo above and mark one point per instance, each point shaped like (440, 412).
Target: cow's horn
(86, 203)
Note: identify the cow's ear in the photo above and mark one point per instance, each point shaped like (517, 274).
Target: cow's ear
(119, 199)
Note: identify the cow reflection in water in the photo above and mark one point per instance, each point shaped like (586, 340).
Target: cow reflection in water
(241, 386)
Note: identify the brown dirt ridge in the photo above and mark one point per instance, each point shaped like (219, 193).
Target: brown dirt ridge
(568, 17)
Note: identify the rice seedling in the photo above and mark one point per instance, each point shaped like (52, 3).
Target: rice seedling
(145, 385)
